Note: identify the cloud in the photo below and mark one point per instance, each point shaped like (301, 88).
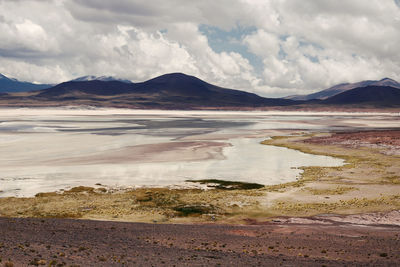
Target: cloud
(263, 44)
(157, 14)
(24, 39)
(323, 43)
(274, 48)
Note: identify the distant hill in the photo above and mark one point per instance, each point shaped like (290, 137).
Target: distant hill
(175, 90)
(337, 89)
(9, 85)
(382, 96)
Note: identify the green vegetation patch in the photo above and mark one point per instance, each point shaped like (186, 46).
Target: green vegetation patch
(228, 185)
(192, 210)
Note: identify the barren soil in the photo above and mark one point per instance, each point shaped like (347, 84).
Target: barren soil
(63, 242)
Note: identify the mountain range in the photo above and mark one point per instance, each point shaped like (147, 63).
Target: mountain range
(175, 90)
(373, 94)
(181, 91)
(9, 85)
(337, 89)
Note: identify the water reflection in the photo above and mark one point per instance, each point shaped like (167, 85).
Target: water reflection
(31, 142)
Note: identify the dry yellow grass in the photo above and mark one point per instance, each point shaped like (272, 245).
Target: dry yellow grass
(369, 181)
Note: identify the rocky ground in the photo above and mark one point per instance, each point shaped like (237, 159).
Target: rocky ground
(65, 242)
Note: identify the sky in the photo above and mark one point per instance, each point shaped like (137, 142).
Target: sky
(269, 47)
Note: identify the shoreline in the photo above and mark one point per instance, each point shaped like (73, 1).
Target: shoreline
(79, 110)
(321, 190)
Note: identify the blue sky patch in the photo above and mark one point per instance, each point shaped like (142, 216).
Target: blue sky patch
(231, 41)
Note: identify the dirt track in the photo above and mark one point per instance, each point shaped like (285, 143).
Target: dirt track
(64, 242)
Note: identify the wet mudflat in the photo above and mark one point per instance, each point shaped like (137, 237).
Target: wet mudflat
(50, 149)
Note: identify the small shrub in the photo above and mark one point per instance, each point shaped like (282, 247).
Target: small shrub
(80, 189)
(187, 210)
(228, 185)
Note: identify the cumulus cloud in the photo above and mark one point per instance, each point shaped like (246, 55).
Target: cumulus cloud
(302, 46)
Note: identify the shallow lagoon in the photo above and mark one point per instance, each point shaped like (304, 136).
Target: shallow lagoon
(50, 149)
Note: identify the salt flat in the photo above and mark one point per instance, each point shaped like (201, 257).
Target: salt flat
(51, 149)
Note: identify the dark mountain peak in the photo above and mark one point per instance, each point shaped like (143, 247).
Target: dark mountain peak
(176, 83)
(2, 76)
(177, 77)
(373, 94)
(339, 88)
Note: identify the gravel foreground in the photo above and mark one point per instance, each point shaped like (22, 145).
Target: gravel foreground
(316, 242)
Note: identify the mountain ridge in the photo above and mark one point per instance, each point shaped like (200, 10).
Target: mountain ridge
(181, 91)
(339, 88)
(11, 85)
(372, 94)
(173, 89)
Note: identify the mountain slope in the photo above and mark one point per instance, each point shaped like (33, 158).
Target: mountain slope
(8, 85)
(179, 86)
(170, 90)
(373, 95)
(81, 88)
(337, 89)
